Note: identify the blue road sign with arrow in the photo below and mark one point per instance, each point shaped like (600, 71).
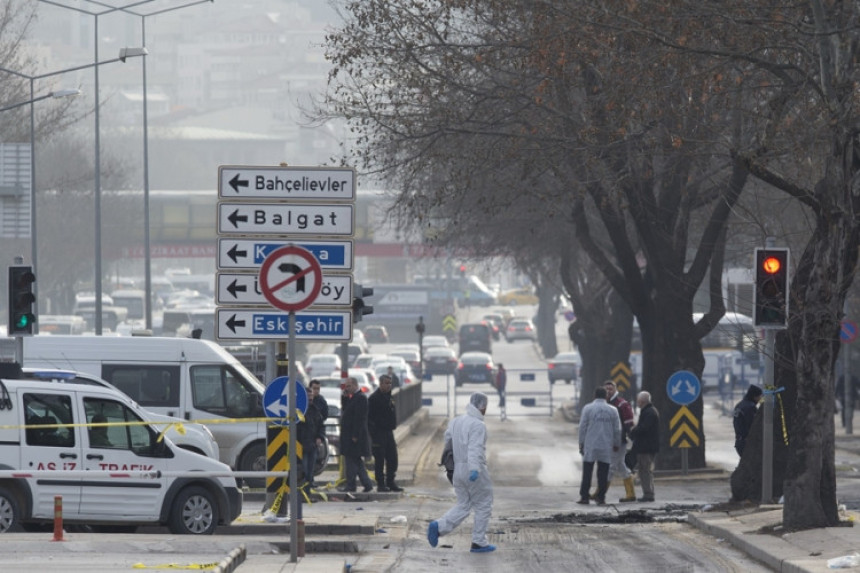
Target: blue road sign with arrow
(276, 402)
(683, 387)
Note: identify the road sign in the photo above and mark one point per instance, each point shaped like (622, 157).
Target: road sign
(244, 288)
(449, 323)
(290, 278)
(621, 374)
(683, 387)
(684, 429)
(847, 331)
(237, 254)
(276, 400)
(285, 219)
(317, 183)
(270, 324)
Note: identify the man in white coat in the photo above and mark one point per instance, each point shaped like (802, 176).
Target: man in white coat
(599, 438)
(467, 434)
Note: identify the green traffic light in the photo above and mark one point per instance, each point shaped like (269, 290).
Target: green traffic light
(23, 321)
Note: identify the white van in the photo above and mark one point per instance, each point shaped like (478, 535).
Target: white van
(63, 441)
(193, 437)
(183, 377)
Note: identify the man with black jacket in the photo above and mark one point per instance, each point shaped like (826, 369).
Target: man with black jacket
(311, 432)
(381, 421)
(354, 439)
(646, 443)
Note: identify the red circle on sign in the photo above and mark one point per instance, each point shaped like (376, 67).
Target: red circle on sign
(306, 265)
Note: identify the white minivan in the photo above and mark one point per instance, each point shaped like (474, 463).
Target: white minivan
(136, 478)
(183, 377)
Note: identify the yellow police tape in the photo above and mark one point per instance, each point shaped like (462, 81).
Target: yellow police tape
(777, 392)
(176, 566)
(180, 428)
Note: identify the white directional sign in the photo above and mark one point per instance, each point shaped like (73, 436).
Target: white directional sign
(250, 182)
(244, 288)
(285, 219)
(270, 324)
(249, 254)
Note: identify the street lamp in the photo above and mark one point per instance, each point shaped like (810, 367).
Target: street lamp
(124, 54)
(147, 254)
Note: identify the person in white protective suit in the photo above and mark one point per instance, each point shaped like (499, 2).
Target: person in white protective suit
(467, 434)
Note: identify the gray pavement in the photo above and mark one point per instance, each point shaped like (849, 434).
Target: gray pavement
(359, 533)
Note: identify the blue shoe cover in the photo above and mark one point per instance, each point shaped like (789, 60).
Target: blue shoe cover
(433, 534)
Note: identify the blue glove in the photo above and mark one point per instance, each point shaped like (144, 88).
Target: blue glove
(473, 475)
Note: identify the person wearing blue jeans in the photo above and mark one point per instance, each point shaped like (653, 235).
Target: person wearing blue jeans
(467, 435)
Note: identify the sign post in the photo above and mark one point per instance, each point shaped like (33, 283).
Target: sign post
(847, 335)
(683, 388)
(291, 278)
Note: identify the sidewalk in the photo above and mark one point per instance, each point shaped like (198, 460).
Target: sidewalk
(756, 530)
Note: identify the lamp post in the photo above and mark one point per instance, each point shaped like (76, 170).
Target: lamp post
(147, 253)
(123, 55)
(31, 102)
(97, 203)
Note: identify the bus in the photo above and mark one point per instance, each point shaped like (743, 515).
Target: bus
(398, 308)
(731, 351)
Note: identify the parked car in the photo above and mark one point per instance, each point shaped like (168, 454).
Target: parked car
(353, 350)
(322, 364)
(521, 329)
(440, 360)
(366, 360)
(475, 367)
(564, 366)
(517, 296)
(476, 337)
(376, 333)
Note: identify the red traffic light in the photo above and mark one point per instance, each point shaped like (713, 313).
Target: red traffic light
(462, 268)
(771, 265)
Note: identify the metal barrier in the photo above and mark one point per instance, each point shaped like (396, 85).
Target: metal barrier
(538, 400)
(407, 400)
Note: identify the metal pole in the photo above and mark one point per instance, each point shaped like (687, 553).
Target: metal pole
(98, 190)
(33, 243)
(294, 490)
(147, 260)
(767, 431)
(848, 384)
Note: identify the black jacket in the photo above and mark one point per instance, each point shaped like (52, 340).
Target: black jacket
(646, 434)
(381, 415)
(744, 415)
(314, 425)
(354, 439)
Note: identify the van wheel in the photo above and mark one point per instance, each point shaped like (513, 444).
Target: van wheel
(321, 462)
(194, 512)
(253, 459)
(10, 512)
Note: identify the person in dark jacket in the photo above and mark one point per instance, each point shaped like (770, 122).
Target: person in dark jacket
(311, 432)
(354, 439)
(744, 414)
(381, 421)
(646, 443)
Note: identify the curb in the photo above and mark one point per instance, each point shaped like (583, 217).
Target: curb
(232, 561)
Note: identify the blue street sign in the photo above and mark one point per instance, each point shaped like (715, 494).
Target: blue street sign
(276, 402)
(683, 387)
(847, 331)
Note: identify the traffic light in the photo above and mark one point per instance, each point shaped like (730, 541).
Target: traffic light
(462, 270)
(360, 309)
(22, 319)
(771, 288)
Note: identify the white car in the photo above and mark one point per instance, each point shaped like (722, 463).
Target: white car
(434, 340)
(322, 364)
(194, 437)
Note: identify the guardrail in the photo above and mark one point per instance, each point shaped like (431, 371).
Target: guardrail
(407, 400)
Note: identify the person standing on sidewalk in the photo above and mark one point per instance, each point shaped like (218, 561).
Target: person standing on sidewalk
(501, 384)
(311, 432)
(646, 443)
(599, 440)
(354, 439)
(467, 435)
(618, 466)
(381, 421)
(744, 415)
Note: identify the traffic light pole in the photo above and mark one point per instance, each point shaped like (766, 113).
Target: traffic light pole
(767, 411)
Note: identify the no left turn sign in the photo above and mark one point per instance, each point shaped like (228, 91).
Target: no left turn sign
(290, 278)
